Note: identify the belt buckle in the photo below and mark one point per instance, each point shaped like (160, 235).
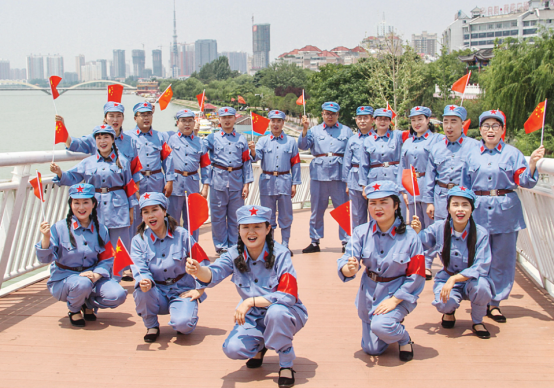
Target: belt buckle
(147, 173)
(494, 193)
(372, 275)
(450, 185)
(417, 175)
(169, 282)
(329, 154)
(385, 164)
(230, 169)
(104, 190)
(79, 269)
(185, 173)
(275, 173)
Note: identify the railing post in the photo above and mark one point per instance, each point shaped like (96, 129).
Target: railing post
(10, 218)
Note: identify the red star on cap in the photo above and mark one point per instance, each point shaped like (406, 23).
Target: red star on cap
(463, 188)
(362, 108)
(452, 107)
(226, 110)
(493, 112)
(79, 189)
(376, 187)
(145, 104)
(116, 104)
(385, 110)
(417, 108)
(146, 196)
(330, 104)
(102, 126)
(253, 211)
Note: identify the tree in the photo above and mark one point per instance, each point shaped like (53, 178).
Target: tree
(520, 75)
(218, 69)
(281, 75)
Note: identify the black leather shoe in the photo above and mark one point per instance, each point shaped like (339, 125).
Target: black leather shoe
(291, 254)
(311, 248)
(497, 318)
(152, 337)
(76, 322)
(343, 248)
(256, 362)
(428, 276)
(406, 356)
(448, 324)
(286, 382)
(481, 333)
(88, 317)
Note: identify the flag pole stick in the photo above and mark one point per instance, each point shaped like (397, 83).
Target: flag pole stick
(188, 224)
(351, 226)
(413, 187)
(304, 101)
(54, 147)
(252, 123)
(543, 118)
(463, 94)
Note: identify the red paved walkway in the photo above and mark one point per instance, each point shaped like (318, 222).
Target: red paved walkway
(38, 347)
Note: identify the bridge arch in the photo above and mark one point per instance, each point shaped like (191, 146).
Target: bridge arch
(63, 90)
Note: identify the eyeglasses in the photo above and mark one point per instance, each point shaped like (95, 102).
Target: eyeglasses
(330, 114)
(494, 127)
(364, 118)
(145, 114)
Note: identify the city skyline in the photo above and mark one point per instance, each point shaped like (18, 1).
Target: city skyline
(105, 31)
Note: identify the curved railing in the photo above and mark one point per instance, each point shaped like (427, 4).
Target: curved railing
(20, 216)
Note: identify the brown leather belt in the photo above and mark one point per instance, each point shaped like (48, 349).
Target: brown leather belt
(275, 173)
(169, 282)
(76, 269)
(227, 168)
(186, 173)
(376, 278)
(356, 165)
(446, 185)
(494, 193)
(328, 154)
(148, 172)
(419, 174)
(386, 164)
(105, 190)
(448, 272)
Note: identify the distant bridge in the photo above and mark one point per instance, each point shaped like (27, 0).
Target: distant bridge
(20, 85)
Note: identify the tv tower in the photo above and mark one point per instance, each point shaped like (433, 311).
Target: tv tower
(174, 53)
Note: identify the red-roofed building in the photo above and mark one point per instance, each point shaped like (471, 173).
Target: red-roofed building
(340, 48)
(309, 48)
(311, 57)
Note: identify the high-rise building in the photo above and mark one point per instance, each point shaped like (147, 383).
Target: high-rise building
(174, 58)
(54, 66)
(119, 64)
(425, 43)
(139, 62)
(5, 69)
(186, 59)
(237, 60)
(205, 51)
(79, 61)
(35, 67)
(157, 63)
(70, 77)
(18, 74)
(261, 46)
(91, 71)
(104, 67)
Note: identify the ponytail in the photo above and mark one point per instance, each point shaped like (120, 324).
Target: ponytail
(445, 254)
(471, 241)
(94, 218)
(400, 229)
(116, 152)
(68, 222)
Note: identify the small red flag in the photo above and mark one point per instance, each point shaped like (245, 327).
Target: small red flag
(122, 258)
(505, 125)
(409, 181)
(115, 91)
(466, 125)
(536, 120)
(61, 133)
(54, 82)
(233, 99)
(201, 98)
(241, 100)
(198, 254)
(393, 112)
(300, 100)
(259, 123)
(165, 98)
(341, 214)
(460, 85)
(37, 186)
(198, 211)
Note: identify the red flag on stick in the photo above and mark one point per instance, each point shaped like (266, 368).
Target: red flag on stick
(115, 91)
(466, 125)
(393, 112)
(241, 100)
(536, 120)
(259, 123)
(165, 98)
(54, 82)
(37, 186)
(341, 214)
(198, 254)
(300, 100)
(461, 84)
(201, 98)
(409, 181)
(198, 211)
(61, 133)
(122, 258)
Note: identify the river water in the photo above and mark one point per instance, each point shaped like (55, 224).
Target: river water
(29, 123)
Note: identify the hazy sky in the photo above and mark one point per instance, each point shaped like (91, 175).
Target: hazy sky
(96, 27)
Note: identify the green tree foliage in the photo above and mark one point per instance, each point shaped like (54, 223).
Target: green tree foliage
(282, 75)
(520, 75)
(218, 69)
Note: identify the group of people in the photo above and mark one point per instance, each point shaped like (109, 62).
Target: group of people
(134, 186)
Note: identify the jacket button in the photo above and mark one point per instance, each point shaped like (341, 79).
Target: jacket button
(165, 270)
(240, 285)
(86, 243)
(255, 280)
(490, 208)
(146, 154)
(163, 254)
(162, 240)
(105, 203)
(456, 253)
(254, 263)
(382, 252)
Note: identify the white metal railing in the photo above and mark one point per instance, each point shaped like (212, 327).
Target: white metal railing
(20, 213)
